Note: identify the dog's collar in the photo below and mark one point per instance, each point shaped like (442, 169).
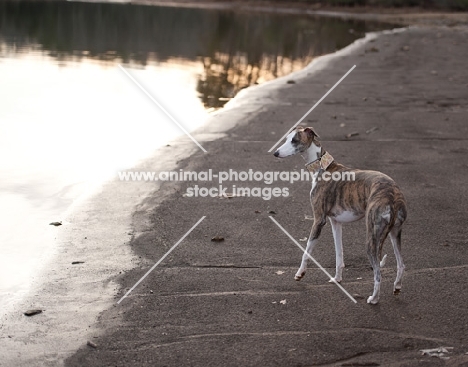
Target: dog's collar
(320, 164)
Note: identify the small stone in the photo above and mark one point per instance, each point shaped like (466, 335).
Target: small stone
(32, 312)
(91, 344)
(350, 135)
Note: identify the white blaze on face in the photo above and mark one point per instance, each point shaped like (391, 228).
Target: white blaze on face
(288, 148)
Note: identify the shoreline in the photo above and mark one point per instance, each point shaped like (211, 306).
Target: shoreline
(96, 234)
(78, 233)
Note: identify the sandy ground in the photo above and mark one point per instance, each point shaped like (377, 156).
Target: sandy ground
(213, 304)
(219, 303)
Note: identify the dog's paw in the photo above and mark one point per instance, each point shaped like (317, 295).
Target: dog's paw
(372, 300)
(335, 280)
(298, 277)
(396, 291)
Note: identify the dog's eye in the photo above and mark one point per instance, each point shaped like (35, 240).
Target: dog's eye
(294, 140)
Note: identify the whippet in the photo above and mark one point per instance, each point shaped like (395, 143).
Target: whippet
(368, 194)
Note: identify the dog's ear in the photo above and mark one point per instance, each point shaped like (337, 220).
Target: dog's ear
(310, 132)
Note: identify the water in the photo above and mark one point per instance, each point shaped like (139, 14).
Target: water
(70, 118)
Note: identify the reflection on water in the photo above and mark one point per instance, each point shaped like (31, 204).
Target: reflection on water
(69, 117)
(65, 129)
(236, 49)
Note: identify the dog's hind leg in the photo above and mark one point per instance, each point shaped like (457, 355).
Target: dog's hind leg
(372, 253)
(337, 236)
(395, 237)
(377, 231)
(314, 235)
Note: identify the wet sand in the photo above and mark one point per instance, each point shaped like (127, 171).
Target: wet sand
(219, 303)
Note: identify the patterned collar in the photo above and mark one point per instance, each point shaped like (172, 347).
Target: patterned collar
(320, 164)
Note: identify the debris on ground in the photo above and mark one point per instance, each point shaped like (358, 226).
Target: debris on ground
(32, 312)
(55, 224)
(350, 135)
(279, 272)
(283, 302)
(217, 239)
(77, 262)
(91, 344)
(439, 352)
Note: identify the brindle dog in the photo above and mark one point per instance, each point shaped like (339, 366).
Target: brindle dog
(346, 195)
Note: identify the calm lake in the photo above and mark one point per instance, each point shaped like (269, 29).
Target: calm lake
(70, 118)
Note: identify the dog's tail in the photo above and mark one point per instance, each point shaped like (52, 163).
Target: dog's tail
(383, 261)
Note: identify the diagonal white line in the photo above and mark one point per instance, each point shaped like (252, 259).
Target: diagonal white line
(315, 261)
(313, 107)
(161, 107)
(161, 259)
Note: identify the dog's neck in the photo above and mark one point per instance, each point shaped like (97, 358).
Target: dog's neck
(317, 158)
(313, 153)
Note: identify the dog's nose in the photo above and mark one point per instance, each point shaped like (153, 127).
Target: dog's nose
(276, 154)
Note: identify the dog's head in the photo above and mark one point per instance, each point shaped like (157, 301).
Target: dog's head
(298, 141)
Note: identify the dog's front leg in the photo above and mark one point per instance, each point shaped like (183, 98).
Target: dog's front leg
(314, 235)
(337, 236)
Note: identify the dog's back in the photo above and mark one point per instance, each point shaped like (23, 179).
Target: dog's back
(361, 192)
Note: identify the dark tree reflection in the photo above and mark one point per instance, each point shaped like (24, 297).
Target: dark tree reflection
(236, 49)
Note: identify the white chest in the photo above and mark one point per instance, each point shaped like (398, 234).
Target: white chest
(314, 182)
